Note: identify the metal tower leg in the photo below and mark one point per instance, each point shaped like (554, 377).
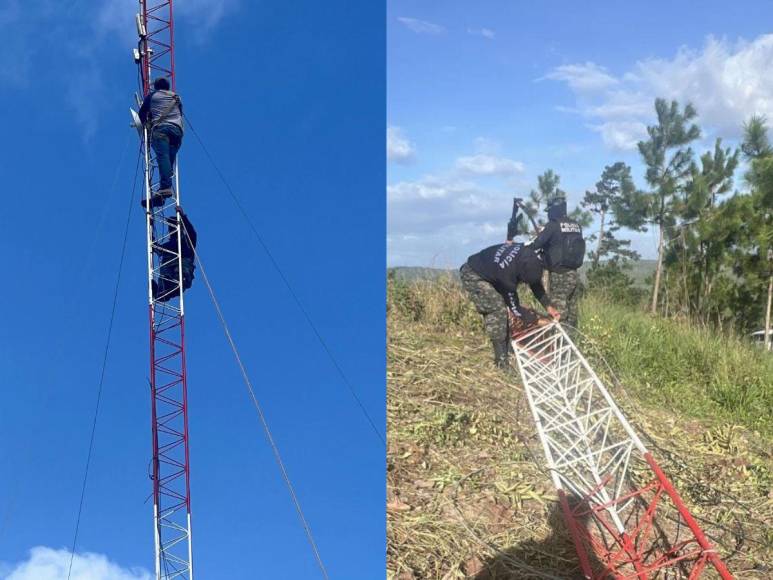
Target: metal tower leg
(168, 378)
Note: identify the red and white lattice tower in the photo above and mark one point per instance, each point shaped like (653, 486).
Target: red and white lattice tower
(168, 382)
(624, 516)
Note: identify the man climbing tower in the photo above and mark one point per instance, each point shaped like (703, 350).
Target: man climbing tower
(563, 250)
(161, 113)
(491, 278)
(167, 286)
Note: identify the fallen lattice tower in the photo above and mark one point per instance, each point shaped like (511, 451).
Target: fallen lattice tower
(625, 517)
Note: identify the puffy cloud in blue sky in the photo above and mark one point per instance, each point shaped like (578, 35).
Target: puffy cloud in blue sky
(50, 564)
(482, 164)
(421, 26)
(726, 81)
(399, 148)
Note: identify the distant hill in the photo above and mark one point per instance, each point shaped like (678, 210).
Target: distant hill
(640, 271)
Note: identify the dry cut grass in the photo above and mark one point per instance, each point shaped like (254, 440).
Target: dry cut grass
(467, 494)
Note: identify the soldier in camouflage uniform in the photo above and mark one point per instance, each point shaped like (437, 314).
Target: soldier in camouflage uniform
(490, 304)
(491, 278)
(563, 248)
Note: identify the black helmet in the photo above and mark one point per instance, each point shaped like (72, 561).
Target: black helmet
(556, 208)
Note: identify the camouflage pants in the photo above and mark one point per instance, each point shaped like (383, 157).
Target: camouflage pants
(565, 291)
(488, 302)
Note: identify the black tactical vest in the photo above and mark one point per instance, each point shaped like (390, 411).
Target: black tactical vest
(567, 247)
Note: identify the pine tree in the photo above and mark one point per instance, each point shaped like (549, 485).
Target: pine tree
(700, 246)
(668, 159)
(755, 143)
(547, 189)
(617, 202)
(754, 254)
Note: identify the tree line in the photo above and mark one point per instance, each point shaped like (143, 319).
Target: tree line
(715, 228)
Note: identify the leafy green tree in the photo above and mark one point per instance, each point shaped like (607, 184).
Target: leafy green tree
(668, 158)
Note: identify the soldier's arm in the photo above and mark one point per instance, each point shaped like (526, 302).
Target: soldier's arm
(539, 293)
(509, 291)
(544, 237)
(525, 315)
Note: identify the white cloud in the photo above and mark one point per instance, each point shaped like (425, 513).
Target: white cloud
(482, 164)
(399, 148)
(484, 32)
(442, 217)
(49, 564)
(621, 135)
(447, 246)
(440, 220)
(727, 82)
(421, 26)
(583, 77)
(427, 188)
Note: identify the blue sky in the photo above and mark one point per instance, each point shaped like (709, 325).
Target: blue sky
(484, 96)
(290, 100)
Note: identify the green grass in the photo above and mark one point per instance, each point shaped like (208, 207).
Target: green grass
(697, 372)
(667, 364)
